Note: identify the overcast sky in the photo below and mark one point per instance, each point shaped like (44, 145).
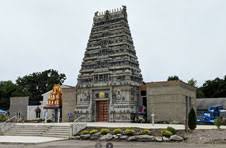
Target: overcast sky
(171, 37)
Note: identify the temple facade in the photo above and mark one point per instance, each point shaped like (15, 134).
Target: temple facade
(108, 82)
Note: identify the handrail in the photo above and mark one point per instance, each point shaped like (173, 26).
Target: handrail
(76, 127)
(10, 118)
(6, 125)
(79, 118)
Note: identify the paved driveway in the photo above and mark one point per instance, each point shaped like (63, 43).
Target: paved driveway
(91, 144)
(27, 139)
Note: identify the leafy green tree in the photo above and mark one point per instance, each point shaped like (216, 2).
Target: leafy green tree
(7, 90)
(192, 119)
(171, 78)
(199, 93)
(214, 88)
(35, 84)
(192, 82)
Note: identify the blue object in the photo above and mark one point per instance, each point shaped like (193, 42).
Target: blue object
(212, 113)
(2, 112)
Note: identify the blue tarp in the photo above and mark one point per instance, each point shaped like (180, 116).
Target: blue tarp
(2, 111)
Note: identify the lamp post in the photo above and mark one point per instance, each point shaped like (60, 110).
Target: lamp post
(153, 119)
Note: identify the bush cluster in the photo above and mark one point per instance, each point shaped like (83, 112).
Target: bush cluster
(145, 132)
(129, 132)
(166, 133)
(94, 131)
(117, 131)
(3, 118)
(84, 132)
(171, 129)
(104, 131)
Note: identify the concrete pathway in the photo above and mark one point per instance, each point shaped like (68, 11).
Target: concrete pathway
(146, 125)
(121, 125)
(27, 139)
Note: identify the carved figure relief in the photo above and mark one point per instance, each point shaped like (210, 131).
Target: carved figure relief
(118, 95)
(55, 97)
(84, 97)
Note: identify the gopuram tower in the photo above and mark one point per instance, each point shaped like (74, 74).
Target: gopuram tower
(109, 78)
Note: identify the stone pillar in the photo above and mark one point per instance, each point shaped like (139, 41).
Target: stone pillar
(46, 115)
(58, 115)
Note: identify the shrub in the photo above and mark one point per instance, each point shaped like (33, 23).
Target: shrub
(94, 131)
(3, 118)
(145, 132)
(117, 131)
(49, 121)
(166, 133)
(129, 132)
(84, 132)
(104, 131)
(218, 122)
(192, 119)
(171, 129)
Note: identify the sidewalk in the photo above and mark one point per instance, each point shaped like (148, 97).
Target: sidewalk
(27, 139)
(146, 125)
(115, 125)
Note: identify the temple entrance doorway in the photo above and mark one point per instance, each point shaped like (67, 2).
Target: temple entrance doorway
(101, 97)
(102, 111)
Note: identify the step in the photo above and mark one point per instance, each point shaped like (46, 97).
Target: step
(29, 129)
(65, 128)
(58, 136)
(48, 131)
(23, 134)
(58, 130)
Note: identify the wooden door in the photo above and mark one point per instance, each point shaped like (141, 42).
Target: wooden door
(102, 111)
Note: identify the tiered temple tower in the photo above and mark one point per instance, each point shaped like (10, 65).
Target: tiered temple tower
(107, 88)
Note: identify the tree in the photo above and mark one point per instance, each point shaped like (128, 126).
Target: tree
(35, 84)
(218, 122)
(6, 90)
(171, 78)
(192, 82)
(192, 119)
(199, 93)
(214, 88)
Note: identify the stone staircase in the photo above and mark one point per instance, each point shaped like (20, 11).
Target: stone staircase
(58, 131)
(40, 130)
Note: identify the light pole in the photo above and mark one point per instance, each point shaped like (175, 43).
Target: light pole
(153, 119)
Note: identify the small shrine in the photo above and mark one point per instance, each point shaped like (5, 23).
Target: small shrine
(55, 103)
(55, 97)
